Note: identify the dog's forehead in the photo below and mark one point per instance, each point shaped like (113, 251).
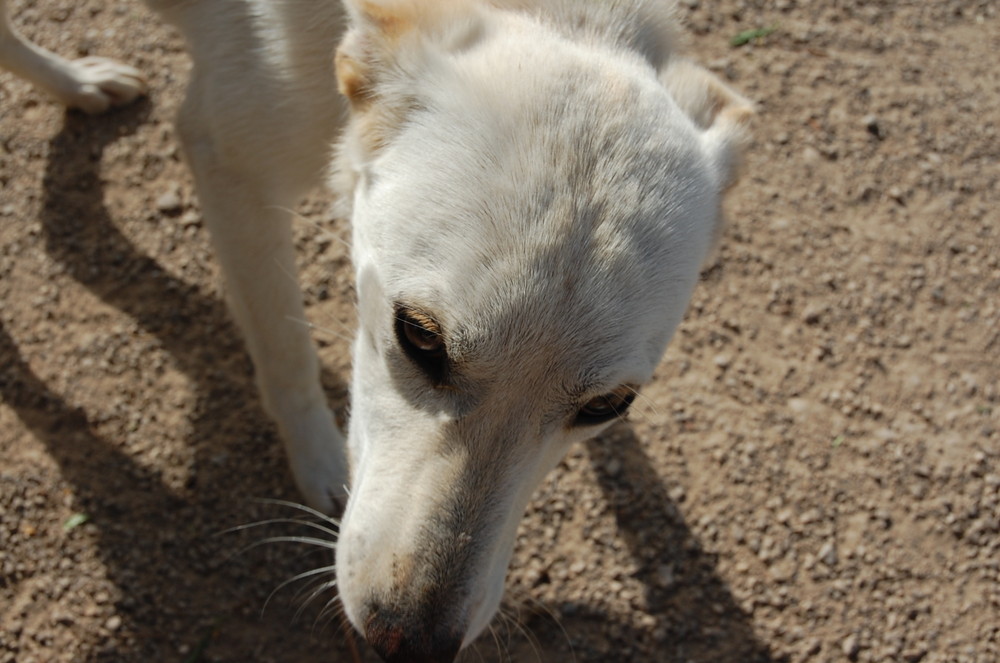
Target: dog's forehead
(491, 183)
(563, 213)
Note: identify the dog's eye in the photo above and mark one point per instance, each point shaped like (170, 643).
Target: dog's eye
(605, 407)
(421, 338)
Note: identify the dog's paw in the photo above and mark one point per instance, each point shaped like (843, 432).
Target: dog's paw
(94, 84)
(316, 452)
(323, 487)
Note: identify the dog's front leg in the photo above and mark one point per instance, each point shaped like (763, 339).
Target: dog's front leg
(247, 214)
(92, 84)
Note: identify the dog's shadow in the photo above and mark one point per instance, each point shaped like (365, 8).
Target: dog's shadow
(695, 617)
(181, 587)
(698, 617)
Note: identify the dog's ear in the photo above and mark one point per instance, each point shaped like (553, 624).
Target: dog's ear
(387, 36)
(390, 49)
(722, 113)
(381, 63)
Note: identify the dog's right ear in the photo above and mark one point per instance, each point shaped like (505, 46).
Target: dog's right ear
(719, 111)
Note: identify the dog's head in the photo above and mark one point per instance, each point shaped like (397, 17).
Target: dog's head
(530, 215)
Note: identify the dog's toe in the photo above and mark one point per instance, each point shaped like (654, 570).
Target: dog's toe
(99, 83)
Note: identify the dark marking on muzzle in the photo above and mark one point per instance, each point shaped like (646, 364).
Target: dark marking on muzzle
(401, 639)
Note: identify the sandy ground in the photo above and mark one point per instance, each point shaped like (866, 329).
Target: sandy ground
(814, 475)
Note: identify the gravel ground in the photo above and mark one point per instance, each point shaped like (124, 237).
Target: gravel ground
(814, 475)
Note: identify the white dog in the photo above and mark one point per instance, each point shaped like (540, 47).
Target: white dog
(533, 187)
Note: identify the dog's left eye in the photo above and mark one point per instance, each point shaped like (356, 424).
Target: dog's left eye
(605, 407)
(421, 338)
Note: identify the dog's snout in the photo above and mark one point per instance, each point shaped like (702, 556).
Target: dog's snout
(399, 639)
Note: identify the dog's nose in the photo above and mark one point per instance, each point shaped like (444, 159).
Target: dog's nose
(397, 641)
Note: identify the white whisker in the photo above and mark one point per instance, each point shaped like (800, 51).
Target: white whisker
(552, 615)
(466, 654)
(308, 540)
(322, 587)
(532, 640)
(507, 618)
(301, 576)
(646, 399)
(293, 521)
(496, 641)
(301, 507)
(291, 277)
(330, 611)
(324, 233)
(316, 327)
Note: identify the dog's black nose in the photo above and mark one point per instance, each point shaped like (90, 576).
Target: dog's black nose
(400, 640)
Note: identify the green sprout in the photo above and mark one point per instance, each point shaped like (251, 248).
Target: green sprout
(754, 34)
(75, 521)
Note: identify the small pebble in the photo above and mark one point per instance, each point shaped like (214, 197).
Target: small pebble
(170, 202)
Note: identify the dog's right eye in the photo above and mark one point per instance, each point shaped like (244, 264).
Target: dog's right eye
(421, 338)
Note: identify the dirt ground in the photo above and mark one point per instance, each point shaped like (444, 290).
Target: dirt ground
(814, 475)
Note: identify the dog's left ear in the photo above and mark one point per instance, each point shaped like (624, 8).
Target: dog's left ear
(722, 113)
(391, 40)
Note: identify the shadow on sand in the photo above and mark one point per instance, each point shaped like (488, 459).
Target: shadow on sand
(181, 584)
(158, 543)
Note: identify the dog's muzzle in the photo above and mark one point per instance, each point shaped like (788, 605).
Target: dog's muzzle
(405, 639)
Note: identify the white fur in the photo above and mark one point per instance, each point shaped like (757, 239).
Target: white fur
(542, 178)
